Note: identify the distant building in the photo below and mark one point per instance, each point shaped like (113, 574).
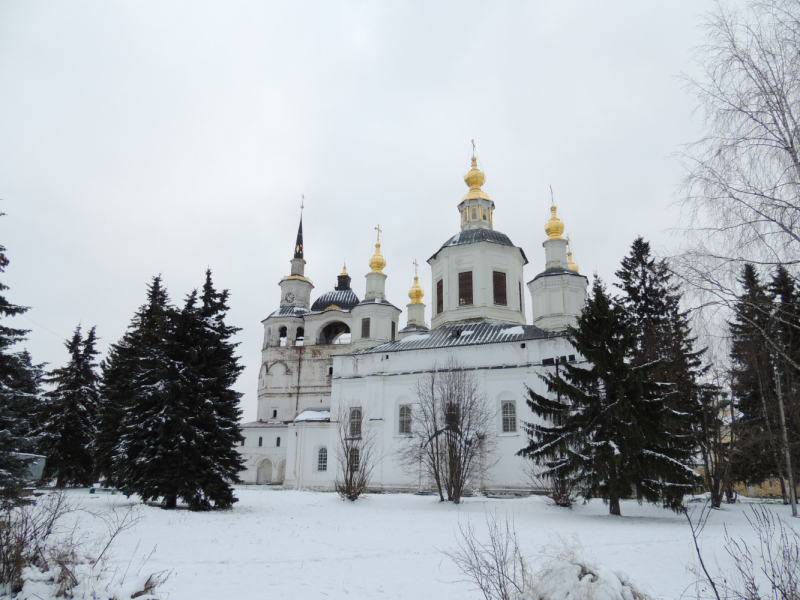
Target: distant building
(341, 350)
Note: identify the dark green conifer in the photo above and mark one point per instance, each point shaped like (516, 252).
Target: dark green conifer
(68, 416)
(664, 342)
(604, 427)
(180, 426)
(20, 395)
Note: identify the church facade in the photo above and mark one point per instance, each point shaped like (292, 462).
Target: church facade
(341, 352)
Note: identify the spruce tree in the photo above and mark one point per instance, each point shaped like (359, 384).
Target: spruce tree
(756, 454)
(68, 415)
(664, 343)
(180, 426)
(218, 412)
(146, 460)
(19, 396)
(785, 355)
(604, 427)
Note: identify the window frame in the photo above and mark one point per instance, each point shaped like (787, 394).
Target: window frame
(404, 421)
(508, 419)
(354, 425)
(365, 327)
(322, 459)
(440, 296)
(500, 292)
(465, 289)
(354, 459)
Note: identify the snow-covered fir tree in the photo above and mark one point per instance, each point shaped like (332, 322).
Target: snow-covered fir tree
(664, 342)
(68, 417)
(19, 396)
(605, 426)
(765, 319)
(180, 424)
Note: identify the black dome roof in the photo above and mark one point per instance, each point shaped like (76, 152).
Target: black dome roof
(344, 299)
(474, 236)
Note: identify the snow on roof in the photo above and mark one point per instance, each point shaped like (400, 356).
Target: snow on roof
(468, 334)
(313, 415)
(474, 236)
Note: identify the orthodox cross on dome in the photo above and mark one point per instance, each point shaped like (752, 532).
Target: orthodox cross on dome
(378, 229)
(416, 268)
(473, 147)
(552, 199)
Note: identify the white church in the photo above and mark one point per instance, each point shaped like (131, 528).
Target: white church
(340, 350)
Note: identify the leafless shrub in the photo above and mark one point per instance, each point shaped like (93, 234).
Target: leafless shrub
(499, 570)
(768, 568)
(357, 451)
(452, 431)
(39, 535)
(560, 490)
(496, 567)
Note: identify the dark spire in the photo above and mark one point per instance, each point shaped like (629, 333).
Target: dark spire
(298, 246)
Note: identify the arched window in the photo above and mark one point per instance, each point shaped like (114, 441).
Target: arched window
(260, 440)
(282, 336)
(355, 422)
(322, 459)
(300, 336)
(509, 417)
(278, 443)
(355, 454)
(405, 419)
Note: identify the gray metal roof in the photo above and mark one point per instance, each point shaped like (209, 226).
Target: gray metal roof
(474, 236)
(468, 334)
(378, 301)
(344, 299)
(290, 311)
(558, 271)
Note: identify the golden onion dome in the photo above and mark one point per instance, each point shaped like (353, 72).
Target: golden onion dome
(555, 226)
(570, 262)
(377, 262)
(416, 293)
(475, 179)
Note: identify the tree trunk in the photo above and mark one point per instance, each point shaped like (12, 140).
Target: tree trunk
(613, 491)
(785, 440)
(171, 501)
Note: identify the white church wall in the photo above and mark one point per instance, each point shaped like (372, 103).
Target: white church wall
(381, 382)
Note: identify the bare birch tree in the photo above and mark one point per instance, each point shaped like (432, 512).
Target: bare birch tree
(452, 431)
(741, 197)
(357, 451)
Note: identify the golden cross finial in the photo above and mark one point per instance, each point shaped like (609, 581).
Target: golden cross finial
(552, 200)
(302, 201)
(378, 229)
(416, 267)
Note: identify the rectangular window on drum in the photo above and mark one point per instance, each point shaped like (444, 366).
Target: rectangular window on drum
(394, 330)
(465, 288)
(439, 296)
(499, 284)
(364, 328)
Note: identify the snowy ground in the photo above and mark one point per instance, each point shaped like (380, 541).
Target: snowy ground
(297, 544)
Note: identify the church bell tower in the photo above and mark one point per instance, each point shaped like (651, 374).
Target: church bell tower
(296, 287)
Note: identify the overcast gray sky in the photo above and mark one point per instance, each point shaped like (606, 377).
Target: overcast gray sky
(139, 138)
